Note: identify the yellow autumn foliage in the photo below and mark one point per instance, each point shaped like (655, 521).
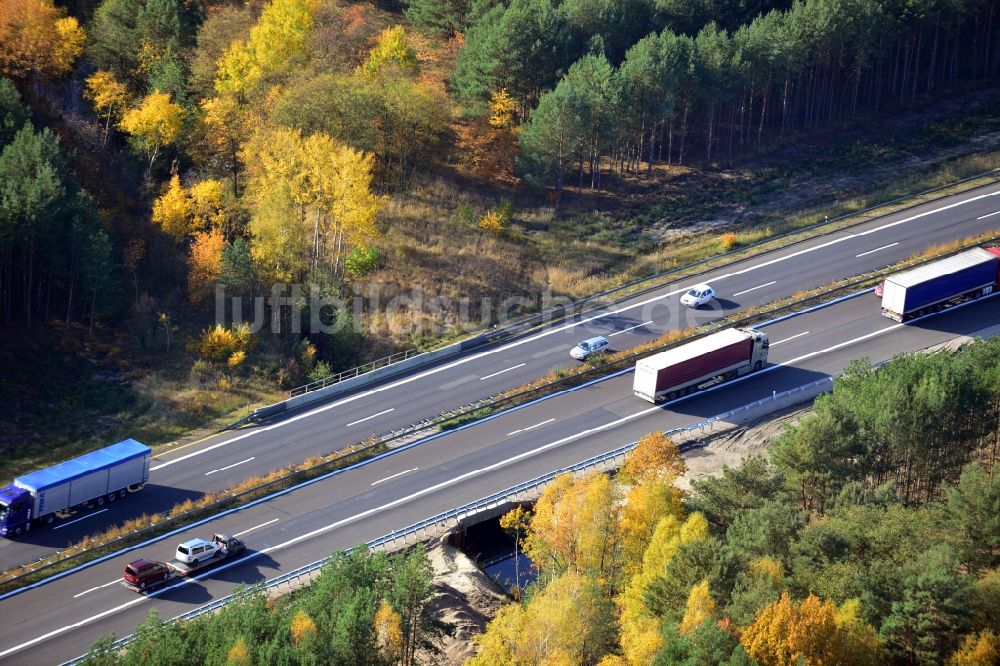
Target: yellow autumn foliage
(155, 123)
(389, 632)
(502, 108)
(239, 653)
(810, 633)
(172, 210)
(302, 626)
(574, 527)
(392, 52)
(978, 649)
(219, 343)
(37, 37)
(641, 636)
(700, 607)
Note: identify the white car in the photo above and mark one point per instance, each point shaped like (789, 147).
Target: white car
(698, 295)
(193, 551)
(588, 347)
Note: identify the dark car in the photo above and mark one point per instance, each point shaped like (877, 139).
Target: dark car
(229, 545)
(146, 574)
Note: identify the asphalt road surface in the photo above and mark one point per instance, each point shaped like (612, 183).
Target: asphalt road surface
(226, 459)
(59, 620)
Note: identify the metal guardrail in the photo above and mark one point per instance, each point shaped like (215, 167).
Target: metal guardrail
(354, 372)
(488, 334)
(599, 461)
(497, 401)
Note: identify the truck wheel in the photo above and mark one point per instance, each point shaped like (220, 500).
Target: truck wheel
(99, 501)
(18, 530)
(756, 366)
(112, 497)
(49, 518)
(122, 492)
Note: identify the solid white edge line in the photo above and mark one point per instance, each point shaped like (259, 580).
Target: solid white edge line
(369, 418)
(558, 329)
(983, 217)
(878, 249)
(462, 477)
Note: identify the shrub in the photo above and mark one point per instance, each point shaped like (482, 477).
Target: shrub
(236, 359)
(492, 223)
(728, 241)
(201, 371)
(361, 261)
(320, 372)
(220, 343)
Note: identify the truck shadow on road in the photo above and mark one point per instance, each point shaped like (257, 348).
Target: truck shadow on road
(74, 527)
(740, 393)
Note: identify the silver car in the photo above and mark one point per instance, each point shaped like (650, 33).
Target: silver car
(588, 347)
(193, 551)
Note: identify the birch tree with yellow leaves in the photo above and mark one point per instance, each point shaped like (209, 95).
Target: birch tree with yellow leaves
(312, 202)
(156, 122)
(274, 45)
(109, 97)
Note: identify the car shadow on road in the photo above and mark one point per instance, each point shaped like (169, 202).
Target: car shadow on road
(252, 568)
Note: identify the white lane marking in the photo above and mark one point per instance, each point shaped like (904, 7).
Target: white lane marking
(444, 484)
(514, 367)
(393, 476)
(99, 587)
(255, 527)
(369, 418)
(889, 225)
(204, 450)
(983, 217)
(537, 425)
(625, 330)
(89, 515)
(797, 335)
(878, 249)
(558, 329)
(223, 469)
(760, 286)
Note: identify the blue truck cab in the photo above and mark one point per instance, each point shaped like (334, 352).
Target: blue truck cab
(100, 476)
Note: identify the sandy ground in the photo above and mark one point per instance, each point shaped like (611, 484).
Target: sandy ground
(464, 601)
(465, 598)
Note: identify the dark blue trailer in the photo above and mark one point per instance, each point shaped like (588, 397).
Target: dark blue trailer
(928, 288)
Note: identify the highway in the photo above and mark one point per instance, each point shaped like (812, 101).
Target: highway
(222, 460)
(61, 619)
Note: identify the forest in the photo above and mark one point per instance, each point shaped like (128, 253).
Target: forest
(870, 534)
(155, 151)
(364, 608)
